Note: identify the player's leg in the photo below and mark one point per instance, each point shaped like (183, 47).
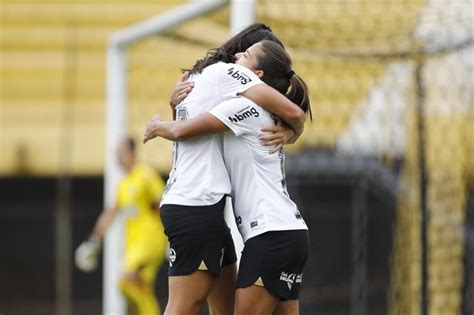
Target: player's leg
(197, 241)
(131, 306)
(138, 278)
(188, 294)
(194, 266)
(139, 294)
(252, 297)
(222, 295)
(290, 307)
(270, 271)
(254, 300)
(149, 273)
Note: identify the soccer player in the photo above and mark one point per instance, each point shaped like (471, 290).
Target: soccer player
(192, 209)
(275, 234)
(138, 197)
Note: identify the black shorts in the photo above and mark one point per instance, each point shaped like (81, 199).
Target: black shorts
(275, 260)
(198, 235)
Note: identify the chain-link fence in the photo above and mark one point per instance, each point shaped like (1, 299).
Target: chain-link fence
(394, 80)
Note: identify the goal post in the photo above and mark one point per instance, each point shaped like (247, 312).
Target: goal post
(242, 14)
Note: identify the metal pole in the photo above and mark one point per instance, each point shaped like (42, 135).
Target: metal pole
(242, 14)
(359, 223)
(115, 130)
(423, 189)
(165, 21)
(63, 226)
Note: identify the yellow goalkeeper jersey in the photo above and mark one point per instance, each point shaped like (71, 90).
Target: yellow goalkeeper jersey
(136, 194)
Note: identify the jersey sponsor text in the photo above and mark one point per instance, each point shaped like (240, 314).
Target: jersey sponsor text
(242, 77)
(244, 114)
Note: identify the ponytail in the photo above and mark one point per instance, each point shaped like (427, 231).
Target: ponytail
(298, 94)
(276, 65)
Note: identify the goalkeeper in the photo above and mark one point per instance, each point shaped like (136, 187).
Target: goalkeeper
(138, 197)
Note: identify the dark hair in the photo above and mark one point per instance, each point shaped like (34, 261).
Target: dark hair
(240, 42)
(131, 144)
(277, 73)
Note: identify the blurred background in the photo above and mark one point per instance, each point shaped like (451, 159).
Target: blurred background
(384, 175)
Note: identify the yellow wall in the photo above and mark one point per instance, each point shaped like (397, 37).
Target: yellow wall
(52, 72)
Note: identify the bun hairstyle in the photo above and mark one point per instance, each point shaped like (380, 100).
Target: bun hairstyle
(240, 42)
(277, 70)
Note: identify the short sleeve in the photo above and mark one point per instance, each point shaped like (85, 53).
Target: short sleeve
(234, 79)
(239, 114)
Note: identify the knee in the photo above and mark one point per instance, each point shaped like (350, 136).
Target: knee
(129, 281)
(125, 286)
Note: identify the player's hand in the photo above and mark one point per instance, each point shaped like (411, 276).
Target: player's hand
(150, 128)
(277, 135)
(181, 90)
(87, 255)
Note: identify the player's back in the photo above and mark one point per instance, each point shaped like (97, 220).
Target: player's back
(261, 202)
(199, 176)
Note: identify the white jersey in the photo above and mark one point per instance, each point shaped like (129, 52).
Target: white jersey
(260, 199)
(199, 176)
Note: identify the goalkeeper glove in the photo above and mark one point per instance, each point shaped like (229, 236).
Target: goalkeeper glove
(87, 254)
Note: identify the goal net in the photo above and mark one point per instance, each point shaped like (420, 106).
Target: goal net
(388, 80)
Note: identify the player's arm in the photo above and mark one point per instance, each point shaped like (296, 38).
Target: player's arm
(217, 120)
(201, 125)
(87, 254)
(277, 135)
(278, 104)
(181, 90)
(230, 85)
(103, 222)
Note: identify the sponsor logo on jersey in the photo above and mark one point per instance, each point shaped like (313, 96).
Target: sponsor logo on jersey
(172, 257)
(291, 278)
(242, 77)
(253, 224)
(244, 114)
